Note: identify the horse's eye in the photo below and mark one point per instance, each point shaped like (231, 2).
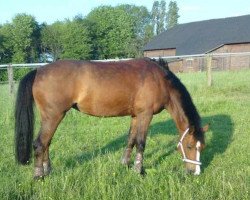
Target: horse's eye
(189, 146)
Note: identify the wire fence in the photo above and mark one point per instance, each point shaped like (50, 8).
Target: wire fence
(177, 64)
(199, 62)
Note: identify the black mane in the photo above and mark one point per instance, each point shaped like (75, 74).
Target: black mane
(163, 64)
(186, 103)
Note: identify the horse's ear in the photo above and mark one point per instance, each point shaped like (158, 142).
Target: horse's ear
(205, 128)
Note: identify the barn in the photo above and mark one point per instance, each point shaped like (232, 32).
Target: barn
(227, 35)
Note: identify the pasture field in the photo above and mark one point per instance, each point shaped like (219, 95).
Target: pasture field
(86, 151)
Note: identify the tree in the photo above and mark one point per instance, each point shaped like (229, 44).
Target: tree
(172, 15)
(51, 43)
(155, 16)
(141, 26)
(76, 40)
(6, 47)
(3, 73)
(149, 34)
(1, 45)
(162, 16)
(158, 16)
(113, 32)
(25, 39)
(67, 40)
(162, 20)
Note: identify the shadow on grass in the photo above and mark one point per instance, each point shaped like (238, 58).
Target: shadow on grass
(166, 127)
(221, 127)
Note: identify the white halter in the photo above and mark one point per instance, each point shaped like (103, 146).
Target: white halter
(185, 159)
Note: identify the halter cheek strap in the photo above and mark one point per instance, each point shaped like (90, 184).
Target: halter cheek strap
(185, 159)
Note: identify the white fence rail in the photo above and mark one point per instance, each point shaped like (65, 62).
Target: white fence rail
(197, 62)
(24, 65)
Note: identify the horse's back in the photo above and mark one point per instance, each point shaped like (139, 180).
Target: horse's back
(98, 88)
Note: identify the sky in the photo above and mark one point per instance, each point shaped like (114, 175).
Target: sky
(50, 11)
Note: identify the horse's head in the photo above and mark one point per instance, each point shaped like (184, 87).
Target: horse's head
(190, 145)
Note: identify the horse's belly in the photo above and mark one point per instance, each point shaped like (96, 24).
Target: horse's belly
(103, 110)
(106, 105)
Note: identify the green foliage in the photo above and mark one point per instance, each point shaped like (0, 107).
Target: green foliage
(20, 40)
(3, 75)
(162, 15)
(1, 44)
(113, 32)
(106, 32)
(141, 27)
(6, 47)
(162, 19)
(172, 15)
(149, 33)
(24, 33)
(158, 15)
(86, 151)
(67, 40)
(76, 40)
(19, 73)
(155, 16)
(51, 39)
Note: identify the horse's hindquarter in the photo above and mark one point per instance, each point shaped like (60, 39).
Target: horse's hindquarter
(54, 86)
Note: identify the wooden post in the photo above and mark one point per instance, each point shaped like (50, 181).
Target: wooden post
(209, 70)
(10, 79)
(249, 62)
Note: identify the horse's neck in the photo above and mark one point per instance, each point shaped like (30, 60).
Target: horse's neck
(176, 111)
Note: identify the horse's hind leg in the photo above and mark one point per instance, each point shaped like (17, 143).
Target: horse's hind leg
(131, 142)
(41, 144)
(46, 161)
(143, 121)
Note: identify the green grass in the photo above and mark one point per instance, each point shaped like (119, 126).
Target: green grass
(86, 151)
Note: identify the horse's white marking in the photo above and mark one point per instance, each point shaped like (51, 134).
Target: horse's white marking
(38, 171)
(138, 159)
(197, 167)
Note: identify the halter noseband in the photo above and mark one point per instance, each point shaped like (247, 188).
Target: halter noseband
(185, 159)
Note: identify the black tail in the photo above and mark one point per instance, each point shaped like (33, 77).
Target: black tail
(24, 119)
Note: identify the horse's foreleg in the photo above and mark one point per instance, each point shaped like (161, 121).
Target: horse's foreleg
(143, 122)
(131, 142)
(41, 145)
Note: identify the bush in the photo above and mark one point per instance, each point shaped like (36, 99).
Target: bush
(3, 75)
(18, 73)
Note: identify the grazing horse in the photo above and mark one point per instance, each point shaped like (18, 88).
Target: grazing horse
(138, 88)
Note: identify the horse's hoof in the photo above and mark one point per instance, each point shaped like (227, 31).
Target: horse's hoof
(47, 169)
(140, 170)
(125, 161)
(38, 173)
(143, 172)
(38, 178)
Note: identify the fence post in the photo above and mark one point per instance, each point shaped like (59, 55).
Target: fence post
(209, 70)
(10, 79)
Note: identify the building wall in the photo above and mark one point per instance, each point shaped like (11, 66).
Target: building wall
(232, 62)
(188, 65)
(233, 48)
(160, 53)
(199, 63)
